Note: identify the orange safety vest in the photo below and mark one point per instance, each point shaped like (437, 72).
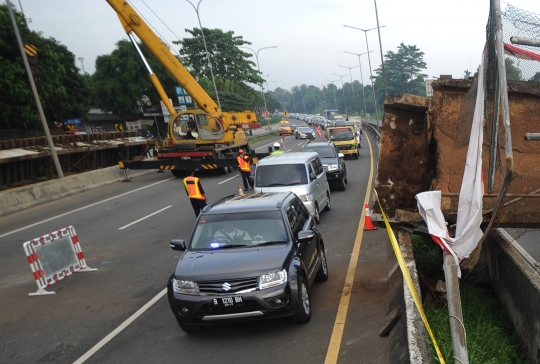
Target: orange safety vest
(243, 164)
(192, 187)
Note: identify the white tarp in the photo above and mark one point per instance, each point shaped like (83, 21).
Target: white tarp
(469, 217)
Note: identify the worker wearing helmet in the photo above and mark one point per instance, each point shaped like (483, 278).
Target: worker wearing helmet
(244, 165)
(276, 149)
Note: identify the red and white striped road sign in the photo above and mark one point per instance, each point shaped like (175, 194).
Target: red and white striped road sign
(53, 257)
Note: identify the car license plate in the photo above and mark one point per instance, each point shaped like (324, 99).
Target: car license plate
(227, 301)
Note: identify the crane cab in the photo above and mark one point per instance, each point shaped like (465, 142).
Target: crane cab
(196, 125)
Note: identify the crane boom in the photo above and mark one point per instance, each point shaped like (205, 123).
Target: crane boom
(133, 22)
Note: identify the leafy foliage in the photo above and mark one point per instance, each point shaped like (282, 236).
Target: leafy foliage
(121, 79)
(512, 72)
(62, 90)
(228, 61)
(402, 72)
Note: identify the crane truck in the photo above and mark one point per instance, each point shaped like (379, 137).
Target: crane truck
(201, 138)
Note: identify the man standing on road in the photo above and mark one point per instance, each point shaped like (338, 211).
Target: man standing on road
(195, 193)
(277, 150)
(244, 164)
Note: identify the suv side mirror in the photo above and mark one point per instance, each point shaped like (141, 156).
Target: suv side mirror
(178, 244)
(305, 235)
(312, 176)
(341, 155)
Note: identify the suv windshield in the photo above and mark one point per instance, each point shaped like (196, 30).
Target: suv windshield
(238, 230)
(341, 134)
(324, 152)
(281, 175)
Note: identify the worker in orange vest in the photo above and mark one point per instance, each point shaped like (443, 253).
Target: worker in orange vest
(195, 193)
(244, 164)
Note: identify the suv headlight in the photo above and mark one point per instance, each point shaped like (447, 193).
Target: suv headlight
(185, 287)
(333, 167)
(272, 279)
(306, 198)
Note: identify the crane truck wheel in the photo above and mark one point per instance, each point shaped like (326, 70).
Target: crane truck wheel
(185, 146)
(223, 170)
(179, 173)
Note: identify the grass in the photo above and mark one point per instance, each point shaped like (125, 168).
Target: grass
(263, 137)
(491, 338)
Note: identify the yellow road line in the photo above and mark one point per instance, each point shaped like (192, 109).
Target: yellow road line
(339, 325)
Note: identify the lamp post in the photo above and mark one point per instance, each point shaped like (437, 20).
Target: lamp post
(342, 90)
(380, 47)
(258, 67)
(267, 82)
(206, 50)
(294, 102)
(324, 95)
(361, 76)
(352, 88)
(82, 65)
(303, 102)
(370, 71)
(335, 99)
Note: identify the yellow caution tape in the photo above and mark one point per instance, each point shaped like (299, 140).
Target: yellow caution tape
(408, 279)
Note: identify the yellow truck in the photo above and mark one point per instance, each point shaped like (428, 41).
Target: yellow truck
(346, 139)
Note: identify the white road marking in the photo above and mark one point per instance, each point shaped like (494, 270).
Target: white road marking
(82, 208)
(265, 145)
(120, 328)
(288, 150)
(300, 143)
(146, 217)
(228, 179)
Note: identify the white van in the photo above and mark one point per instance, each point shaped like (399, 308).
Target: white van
(301, 173)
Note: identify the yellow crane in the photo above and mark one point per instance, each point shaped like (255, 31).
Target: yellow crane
(200, 138)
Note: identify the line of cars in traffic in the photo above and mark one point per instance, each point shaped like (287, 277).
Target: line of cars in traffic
(256, 256)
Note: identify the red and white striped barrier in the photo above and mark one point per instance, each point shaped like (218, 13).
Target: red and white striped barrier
(53, 257)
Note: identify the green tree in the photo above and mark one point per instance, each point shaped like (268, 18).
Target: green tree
(467, 74)
(512, 72)
(121, 80)
(231, 67)
(536, 77)
(403, 71)
(62, 90)
(228, 61)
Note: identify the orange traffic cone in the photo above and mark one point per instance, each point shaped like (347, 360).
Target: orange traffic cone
(368, 225)
(240, 190)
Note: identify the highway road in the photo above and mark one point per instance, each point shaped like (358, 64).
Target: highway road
(119, 314)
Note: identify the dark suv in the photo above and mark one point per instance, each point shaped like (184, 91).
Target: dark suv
(332, 160)
(250, 257)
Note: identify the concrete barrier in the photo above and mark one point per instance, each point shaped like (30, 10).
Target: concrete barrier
(21, 198)
(17, 199)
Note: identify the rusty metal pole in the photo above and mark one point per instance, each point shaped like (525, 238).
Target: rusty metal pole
(455, 315)
(34, 91)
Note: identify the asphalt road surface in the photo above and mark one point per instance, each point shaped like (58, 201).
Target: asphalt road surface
(119, 314)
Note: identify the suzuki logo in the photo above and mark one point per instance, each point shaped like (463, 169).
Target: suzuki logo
(226, 286)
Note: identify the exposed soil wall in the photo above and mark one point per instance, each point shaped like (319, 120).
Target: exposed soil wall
(419, 153)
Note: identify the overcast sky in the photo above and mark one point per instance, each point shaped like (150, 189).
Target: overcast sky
(309, 34)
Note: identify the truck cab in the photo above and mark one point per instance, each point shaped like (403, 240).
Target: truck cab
(345, 138)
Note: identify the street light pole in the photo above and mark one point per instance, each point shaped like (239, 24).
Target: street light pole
(342, 90)
(82, 64)
(352, 88)
(294, 102)
(361, 76)
(303, 102)
(206, 50)
(380, 47)
(52, 148)
(324, 95)
(370, 70)
(335, 99)
(259, 68)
